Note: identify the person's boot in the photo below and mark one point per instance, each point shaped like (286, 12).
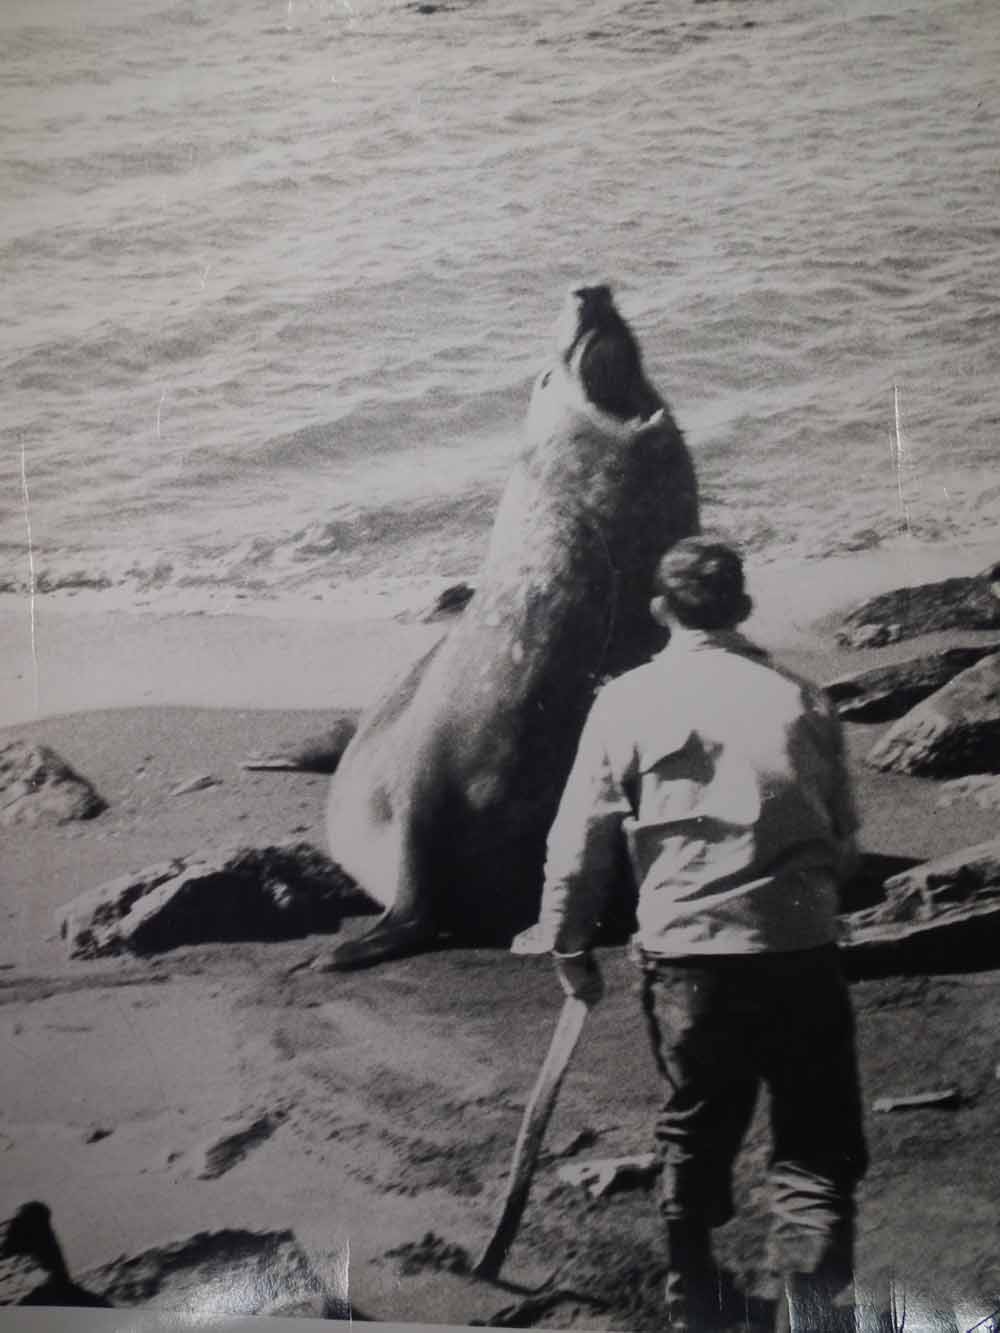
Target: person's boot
(821, 1300)
(690, 1289)
(811, 1307)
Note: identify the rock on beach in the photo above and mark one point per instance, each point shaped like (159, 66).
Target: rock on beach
(971, 603)
(241, 893)
(948, 891)
(222, 1272)
(38, 786)
(983, 788)
(884, 693)
(954, 732)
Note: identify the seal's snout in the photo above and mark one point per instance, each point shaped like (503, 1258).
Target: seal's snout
(594, 300)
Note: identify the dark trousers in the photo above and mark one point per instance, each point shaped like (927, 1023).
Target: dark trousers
(719, 1028)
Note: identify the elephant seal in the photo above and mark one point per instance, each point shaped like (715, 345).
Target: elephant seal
(442, 801)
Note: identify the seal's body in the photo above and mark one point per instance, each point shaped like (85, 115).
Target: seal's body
(443, 799)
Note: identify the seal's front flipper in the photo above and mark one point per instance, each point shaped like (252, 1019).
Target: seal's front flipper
(322, 754)
(389, 938)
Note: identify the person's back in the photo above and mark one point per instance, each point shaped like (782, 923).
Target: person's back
(741, 812)
(727, 779)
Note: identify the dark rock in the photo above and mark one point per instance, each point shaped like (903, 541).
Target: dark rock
(961, 603)
(887, 692)
(32, 1266)
(866, 887)
(930, 898)
(226, 1272)
(451, 602)
(242, 893)
(38, 786)
(954, 732)
(227, 1152)
(430, 1253)
(209, 1274)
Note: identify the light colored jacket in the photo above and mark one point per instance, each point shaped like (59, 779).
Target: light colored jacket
(726, 775)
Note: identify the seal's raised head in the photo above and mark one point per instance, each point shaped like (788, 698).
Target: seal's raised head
(601, 352)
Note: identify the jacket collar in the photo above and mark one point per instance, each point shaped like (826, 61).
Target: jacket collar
(700, 640)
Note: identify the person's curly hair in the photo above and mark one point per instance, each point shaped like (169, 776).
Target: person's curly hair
(702, 583)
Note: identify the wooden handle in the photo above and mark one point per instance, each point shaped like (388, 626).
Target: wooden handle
(529, 1139)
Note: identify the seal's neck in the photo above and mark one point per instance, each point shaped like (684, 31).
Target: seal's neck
(560, 390)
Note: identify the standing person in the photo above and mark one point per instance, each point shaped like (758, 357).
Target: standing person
(725, 776)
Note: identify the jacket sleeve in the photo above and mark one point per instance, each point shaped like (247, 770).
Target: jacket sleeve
(583, 845)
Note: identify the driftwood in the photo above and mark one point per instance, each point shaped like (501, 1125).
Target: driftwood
(914, 1101)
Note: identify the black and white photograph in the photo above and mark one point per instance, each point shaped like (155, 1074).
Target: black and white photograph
(500, 665)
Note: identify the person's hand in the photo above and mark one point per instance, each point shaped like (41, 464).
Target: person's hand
(580, 976)
(533, 941)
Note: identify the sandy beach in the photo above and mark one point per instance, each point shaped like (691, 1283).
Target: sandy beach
(393, 1097)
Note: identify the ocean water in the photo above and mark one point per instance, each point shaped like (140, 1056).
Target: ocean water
(277, 274)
